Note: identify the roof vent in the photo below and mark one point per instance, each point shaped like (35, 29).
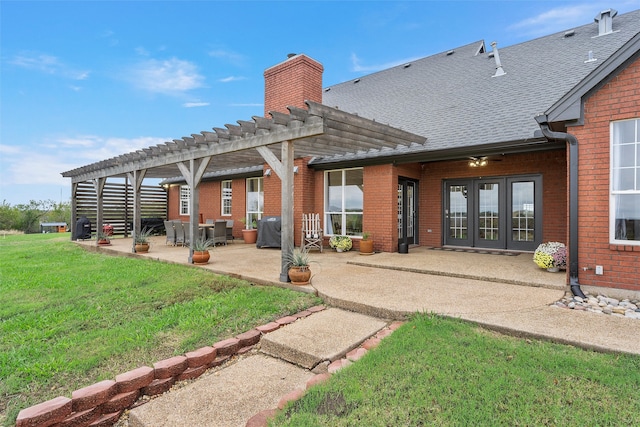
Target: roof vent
(291, 55)
(499, 70)
(569, 33)
(327, 89)
(356, 81)
(451, 52)
(406, 65)
(590, 57)
(605, 21)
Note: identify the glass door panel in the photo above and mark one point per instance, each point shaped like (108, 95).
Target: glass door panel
(524, 200)
(457, 214)
(489, 214)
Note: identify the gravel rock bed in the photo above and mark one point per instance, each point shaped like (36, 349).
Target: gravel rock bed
(601, 304)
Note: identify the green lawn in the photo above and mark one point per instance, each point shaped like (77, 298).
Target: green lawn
(443, 372)
(70, 318)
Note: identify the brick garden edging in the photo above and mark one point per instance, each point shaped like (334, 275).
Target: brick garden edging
(261, 419)
(102, 404)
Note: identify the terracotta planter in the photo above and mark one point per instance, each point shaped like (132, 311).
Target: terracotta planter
(104, 242)
(200, 257)
(250, 236)
(366, 247)
(300, 275)
(142, 248)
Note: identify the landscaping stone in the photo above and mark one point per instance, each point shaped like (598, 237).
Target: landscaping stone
(106, 420)
(227, 347)
(119, 402)
(261, 419)
(158, 386)
(318, 379)
(286, 320)
(171, 367)
(218, 361)
(601, 304)
(134, 380)
(93, 395)
(192, 373)
(83, 418)
(200, 357)
(46, 413)
(356, 354)
(269, 327)
(248, 338)
(289, 397)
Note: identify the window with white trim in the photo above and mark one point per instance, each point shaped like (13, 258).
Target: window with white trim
(344, 201)
(255, 199)
(225, 191)
(185, 195)
(624, 227)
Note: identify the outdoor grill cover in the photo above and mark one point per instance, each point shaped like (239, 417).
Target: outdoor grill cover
(269, 232)
(83, 228)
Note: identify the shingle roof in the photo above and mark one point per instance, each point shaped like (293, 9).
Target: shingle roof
(453, 100)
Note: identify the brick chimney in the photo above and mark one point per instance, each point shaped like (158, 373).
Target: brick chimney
(290, 83)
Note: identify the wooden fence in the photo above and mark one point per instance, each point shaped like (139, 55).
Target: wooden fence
(117, 205)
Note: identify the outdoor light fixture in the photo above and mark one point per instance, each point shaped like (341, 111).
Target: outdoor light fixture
(474, 163)
(267, 172)
(295, 169)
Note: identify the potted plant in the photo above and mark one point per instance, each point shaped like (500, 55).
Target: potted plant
(551, 255)
(201, 251)
(340, 243)
(249, 232)
(141, 241)
(299, 272)
(103, 239)
(366, 244)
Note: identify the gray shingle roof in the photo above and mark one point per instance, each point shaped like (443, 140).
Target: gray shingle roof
(454, 101)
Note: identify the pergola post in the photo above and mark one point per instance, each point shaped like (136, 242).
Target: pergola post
(74, 210)
(193, 175)
(98, 186)
(286, 237)
(136, 177)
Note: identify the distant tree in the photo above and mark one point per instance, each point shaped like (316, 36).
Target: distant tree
(31, 213)
(9, 216)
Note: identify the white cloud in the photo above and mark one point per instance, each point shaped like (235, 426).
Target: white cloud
(48, 64)
(558, 19)
(231, 79)
(171, 77)
(195, 104)
(228, 56)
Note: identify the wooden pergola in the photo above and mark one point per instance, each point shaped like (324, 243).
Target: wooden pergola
(318, 131)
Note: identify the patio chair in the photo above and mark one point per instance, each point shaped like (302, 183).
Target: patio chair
(180, 240)
(230, 229)
(187, 233)
(311, 232)
(171, 233)
(219, 233)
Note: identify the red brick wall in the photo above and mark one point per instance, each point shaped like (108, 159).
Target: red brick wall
(550, 164)
(292, 82)
(619, 99)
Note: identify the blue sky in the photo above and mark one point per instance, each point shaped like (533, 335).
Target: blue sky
(82, 81)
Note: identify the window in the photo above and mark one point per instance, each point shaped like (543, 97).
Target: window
(344, 197)
(226, 197)
(185, 195)
(255, 199)
(625, 182)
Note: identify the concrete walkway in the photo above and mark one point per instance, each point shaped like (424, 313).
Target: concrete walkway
(365, 293)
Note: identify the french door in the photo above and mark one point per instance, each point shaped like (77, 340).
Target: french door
(493, 213)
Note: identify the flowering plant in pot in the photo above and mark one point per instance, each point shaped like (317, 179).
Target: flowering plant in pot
(103, 239)
(551, 255)
(340, 243)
